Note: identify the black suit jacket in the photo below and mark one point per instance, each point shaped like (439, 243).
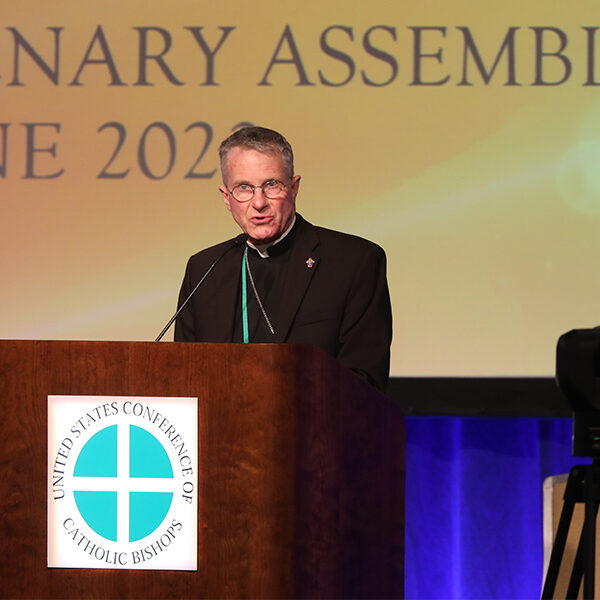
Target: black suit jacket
(341, 303)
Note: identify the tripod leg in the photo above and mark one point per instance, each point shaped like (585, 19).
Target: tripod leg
(585, 560)
(584, 565)
(558, 548)
(573, 494)
(577, 571)
(589, 525)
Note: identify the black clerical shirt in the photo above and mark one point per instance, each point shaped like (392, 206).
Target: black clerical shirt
(269, 275)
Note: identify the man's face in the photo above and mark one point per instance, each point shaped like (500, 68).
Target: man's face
(262, 219)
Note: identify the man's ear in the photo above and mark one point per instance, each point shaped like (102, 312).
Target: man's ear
(295, 184)
(225, 193)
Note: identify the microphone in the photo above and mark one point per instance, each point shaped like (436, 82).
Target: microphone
(240, 240)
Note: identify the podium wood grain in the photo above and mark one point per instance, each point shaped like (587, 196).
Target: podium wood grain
(301, 470)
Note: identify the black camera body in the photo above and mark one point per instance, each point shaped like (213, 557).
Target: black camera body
(578, 377)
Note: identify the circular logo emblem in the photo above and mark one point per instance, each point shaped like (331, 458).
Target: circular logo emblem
(145, 483)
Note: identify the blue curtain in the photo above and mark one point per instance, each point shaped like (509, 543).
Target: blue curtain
(474, 503)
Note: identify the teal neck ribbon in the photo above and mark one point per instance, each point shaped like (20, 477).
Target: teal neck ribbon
(245, 299)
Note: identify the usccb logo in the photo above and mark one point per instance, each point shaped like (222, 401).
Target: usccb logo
(122, 482)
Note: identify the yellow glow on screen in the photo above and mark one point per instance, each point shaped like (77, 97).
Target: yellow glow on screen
(461, 136)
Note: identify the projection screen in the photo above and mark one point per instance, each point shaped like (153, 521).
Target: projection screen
(462, 136)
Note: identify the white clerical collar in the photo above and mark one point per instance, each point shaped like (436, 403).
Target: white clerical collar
(262, 248)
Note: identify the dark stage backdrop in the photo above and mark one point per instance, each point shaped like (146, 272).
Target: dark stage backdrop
(478, 451)
(474, 503)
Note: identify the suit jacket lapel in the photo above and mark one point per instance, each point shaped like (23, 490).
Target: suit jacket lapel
(299, 275)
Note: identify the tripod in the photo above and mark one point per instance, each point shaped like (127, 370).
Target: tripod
(583, 485)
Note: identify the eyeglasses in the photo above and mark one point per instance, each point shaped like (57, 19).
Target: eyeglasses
(272, 189)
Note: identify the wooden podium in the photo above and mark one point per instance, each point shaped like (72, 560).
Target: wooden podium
(301, 470)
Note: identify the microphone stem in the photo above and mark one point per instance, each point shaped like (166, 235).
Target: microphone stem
(238, 241)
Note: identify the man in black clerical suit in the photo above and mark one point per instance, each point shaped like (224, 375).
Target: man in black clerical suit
(285, 280)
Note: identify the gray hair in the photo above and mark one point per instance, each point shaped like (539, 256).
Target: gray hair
(260, 139)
